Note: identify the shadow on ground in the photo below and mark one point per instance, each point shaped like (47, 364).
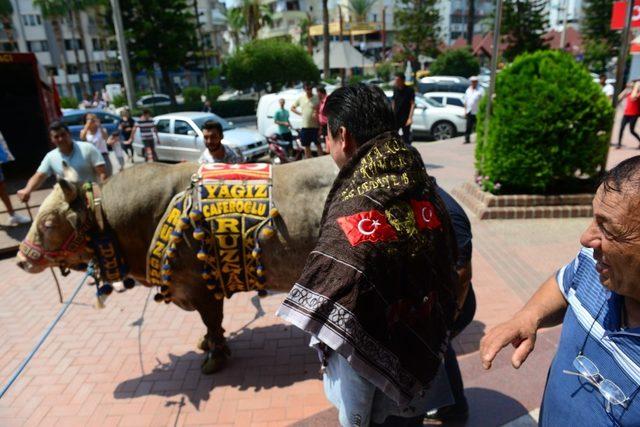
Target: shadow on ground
(469, 338)
(487, 408)
(262, 358)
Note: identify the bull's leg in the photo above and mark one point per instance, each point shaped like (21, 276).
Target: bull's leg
(213, 342)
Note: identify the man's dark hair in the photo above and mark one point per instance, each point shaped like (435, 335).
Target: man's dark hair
(212, 125)
(308, 85)
(627, 173)
(363, 110)
(400, 75)
(146, 112)
(321, 89)
(603, 76)
(58, 126)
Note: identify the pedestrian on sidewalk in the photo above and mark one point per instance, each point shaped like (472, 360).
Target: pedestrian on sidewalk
(631, 111)
(322, 119)
(126, 126)
(281, 118)
(96, 135)
(307, 107)
(471, 99)
(15, 219)
(83, 157)
(594, 377)
(147, 133)
(403, 103)
(377, 294)
(116, 147)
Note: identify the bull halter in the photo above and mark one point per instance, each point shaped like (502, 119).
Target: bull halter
(89, 235)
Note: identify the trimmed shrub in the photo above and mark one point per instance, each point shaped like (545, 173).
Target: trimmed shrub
(456, 62)
(214, 92)
(192, 95)
(68, 102)
(549, 131)
(384, 70)
(119, 101)
(232, 108)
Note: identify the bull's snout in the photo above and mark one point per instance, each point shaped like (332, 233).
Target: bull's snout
(25, 265)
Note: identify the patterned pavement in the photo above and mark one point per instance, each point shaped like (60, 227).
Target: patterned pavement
(135, 362)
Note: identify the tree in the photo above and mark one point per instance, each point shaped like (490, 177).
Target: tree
(274, 62)
(416, 23)
(256, 15)
(54, 11)
(457, 62)
(159, 32)
(601, 42)
(537, 146)
(523, 26)
(471, 18)
(235, 25)
(360, 9)
(6, 11)
(305, 38)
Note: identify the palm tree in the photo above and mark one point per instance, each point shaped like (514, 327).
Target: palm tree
(256, 15)
(235, 25)
(305, 37)
(6, 11)
(75, 9)
(360, 9)
(54, 11)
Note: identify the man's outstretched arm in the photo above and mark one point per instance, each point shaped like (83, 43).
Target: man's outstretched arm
(546, 308)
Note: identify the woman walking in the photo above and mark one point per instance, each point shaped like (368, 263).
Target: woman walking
(94, 133)
(126, 126)
(631, 112)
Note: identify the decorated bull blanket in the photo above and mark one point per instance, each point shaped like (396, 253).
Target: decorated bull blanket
(379, 287)
(228, 210)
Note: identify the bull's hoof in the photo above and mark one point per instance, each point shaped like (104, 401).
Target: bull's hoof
(203, 344)
(215, 360)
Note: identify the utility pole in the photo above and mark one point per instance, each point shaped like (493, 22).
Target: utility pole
(565, 12)
(384, 33)
(494, 65)
(471, 14)
(624, 49)
(203, 51)
(124, 55)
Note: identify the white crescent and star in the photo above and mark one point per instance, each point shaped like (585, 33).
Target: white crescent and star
(370, 224)
(430, 216)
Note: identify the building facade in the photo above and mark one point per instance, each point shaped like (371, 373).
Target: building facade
(454, 18)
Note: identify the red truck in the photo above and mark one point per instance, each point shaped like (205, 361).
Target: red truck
(28, 103)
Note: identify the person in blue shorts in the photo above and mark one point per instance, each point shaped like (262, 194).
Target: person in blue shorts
(594, 378)
(15, 219)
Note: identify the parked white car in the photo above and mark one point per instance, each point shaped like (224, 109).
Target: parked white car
(447, 98)
(153, 100)
(181, 137)
(436, 120)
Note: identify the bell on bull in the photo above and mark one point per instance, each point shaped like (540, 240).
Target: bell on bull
(298, 190)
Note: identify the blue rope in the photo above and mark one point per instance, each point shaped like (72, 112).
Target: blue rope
(44, 336)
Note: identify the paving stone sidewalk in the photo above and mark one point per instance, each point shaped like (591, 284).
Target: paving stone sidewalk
(135, 362)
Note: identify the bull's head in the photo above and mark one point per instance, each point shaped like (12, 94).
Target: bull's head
(57, 236)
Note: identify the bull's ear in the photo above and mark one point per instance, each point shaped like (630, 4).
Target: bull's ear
(69, 189)
(69, 173)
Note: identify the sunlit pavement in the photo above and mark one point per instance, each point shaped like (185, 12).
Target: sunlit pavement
(135, 363)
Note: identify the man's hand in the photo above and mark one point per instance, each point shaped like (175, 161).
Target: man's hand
(24, 195)
(519, 332)
(409, 121)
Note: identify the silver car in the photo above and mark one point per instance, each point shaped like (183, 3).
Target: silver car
(181, 137)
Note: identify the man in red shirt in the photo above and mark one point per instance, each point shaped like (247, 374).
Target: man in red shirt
(631, 112)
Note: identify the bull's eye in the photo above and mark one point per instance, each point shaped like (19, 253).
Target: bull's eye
(48, 224)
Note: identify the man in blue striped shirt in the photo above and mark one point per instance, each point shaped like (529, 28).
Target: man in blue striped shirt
(595, 376)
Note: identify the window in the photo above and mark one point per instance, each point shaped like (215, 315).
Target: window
(37, 46)
(455, 101)
(51, 71)
(163, 126)
(31, 20)
(72, 69)
(181, 127)
(437, 99)
(71, 44)
(73, 120)
(96, 44)
(7, 47)
(108, 118)
(375, 17)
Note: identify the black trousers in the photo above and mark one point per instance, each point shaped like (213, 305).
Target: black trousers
(631, 121)
(471, 126)
(406, 134)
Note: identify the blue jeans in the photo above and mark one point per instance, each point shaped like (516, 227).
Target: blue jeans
(360, 403)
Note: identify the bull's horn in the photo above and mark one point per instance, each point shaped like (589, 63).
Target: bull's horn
(69, 189)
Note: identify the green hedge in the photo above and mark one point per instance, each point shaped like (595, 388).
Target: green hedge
(232, 108)
(192, 95)
(550, 128)
(456, 62)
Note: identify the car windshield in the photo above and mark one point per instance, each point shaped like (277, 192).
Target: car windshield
(200, 121)
(424, 102)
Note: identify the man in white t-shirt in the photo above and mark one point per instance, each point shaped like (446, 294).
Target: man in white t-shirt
(472, 97)
(607, 88)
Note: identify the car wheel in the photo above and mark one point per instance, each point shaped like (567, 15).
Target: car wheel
(443, 130)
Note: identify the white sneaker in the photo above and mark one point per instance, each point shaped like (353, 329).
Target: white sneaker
(17, 219)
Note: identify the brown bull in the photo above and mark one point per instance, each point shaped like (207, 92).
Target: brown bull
(133, 203)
